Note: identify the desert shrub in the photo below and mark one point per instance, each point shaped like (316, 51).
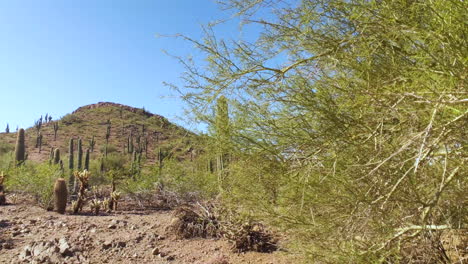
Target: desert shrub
(71, 119)
(194, 221)
(6, 147)
(186, 177)
(35, 179)
(110, 149)
(6, 160)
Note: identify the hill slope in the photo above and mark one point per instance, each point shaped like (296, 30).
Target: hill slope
(91, 120)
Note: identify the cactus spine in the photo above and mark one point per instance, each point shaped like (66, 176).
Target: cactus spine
(20, 148)
(86, 161)
(61, 194)
(80, 155)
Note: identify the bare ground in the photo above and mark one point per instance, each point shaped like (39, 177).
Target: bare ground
(29, 234)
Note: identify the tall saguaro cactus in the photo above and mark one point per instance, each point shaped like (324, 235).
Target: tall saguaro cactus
(56, 156)
(108, 132)
(20, 149)
(92, 143)
(80, 155)
(70, 154)
(222, 138)
(70, 165)
(56, 127)
(86, 162)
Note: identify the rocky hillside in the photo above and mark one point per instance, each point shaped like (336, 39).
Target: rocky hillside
(91, 120)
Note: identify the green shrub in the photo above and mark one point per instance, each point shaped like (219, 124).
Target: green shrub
(36, 180)
(5, 147)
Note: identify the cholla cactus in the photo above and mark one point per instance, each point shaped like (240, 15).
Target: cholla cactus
(83, 178)
(96, 206)
(115, 197)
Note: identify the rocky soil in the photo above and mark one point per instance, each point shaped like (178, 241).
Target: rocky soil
(29, 234)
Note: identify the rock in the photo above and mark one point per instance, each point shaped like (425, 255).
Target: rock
(155, 251)
(112, 226)
(64, 247)
(121, 244)
(170, 258)
(107, 244)
(7, 245)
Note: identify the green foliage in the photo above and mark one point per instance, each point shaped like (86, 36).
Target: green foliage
(358, 109)
(35, 179)
(71, 119)
(5, 147)
(110, 149)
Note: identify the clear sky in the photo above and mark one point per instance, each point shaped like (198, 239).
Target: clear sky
(56, 56)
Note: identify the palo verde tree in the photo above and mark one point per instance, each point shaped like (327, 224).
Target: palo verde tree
(359, 105)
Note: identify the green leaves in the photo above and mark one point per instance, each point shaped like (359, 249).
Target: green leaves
(355, 99)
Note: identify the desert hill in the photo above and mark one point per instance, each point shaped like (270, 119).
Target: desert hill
(92, 120)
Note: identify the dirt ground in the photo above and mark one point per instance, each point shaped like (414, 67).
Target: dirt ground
(30, 234)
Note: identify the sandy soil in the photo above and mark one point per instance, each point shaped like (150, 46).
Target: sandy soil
(29, 234)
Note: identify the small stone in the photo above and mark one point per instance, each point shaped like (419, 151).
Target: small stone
(7, 245)
(121, 244)
(64, 247)
(107, 244)
(170, 258)
(155, 251)
(112, 226)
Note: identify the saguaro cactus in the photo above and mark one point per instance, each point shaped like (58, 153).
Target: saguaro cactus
(108, 132)
(80, 155)
(61, 194)
(92, 143)
(20, 149)
(70, 154)
(56, 156)
(70, 165)
(56, 127)
(39, 142)
(86, 161)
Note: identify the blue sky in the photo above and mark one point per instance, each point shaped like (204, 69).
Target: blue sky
(58, 55)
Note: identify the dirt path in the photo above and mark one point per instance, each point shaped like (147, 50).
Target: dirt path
(29, 234)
